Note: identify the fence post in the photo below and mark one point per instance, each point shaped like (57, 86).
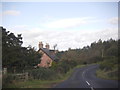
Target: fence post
(26, 76)
(4, 70)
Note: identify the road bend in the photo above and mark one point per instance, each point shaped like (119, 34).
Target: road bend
(86, 78)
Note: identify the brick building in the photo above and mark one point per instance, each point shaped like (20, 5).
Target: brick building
(48, 56)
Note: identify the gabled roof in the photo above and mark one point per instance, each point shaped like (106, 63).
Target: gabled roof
(49, 53)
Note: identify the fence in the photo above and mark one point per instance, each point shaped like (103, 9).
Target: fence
(16, 76)
(21, 76)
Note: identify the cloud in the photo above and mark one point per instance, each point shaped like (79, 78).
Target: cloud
(21, 26)
(66, 39)
(11, 12)
(68, 23)
(113, 21)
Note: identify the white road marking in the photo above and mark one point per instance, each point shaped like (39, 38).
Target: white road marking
(83, 72)
(83, 75)
(92, 88)
(89, 85)
(87, 82)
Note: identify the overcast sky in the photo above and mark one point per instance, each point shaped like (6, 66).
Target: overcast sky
(67, 24)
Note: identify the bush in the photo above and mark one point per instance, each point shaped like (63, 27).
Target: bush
(7, 79)
(109, 63)
(43, 74)
(113, 73)
(113, 51)
(63, 67)
(94, 59)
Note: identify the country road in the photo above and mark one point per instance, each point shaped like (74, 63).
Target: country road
(85, 78)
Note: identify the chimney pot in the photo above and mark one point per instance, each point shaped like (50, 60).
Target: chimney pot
(40, 45)
(47, 46)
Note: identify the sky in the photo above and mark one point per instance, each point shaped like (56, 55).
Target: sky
(67, 24)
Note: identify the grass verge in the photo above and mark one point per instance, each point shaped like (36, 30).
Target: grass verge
(107, 74)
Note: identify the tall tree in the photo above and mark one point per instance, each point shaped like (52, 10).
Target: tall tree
(16, 56)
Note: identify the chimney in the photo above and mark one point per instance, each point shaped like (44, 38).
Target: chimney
(56, 51)
(40, 45)
(47, 46)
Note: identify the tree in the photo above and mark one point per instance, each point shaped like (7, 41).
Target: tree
(10, 47)
(14, 56)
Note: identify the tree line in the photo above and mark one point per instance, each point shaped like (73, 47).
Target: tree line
(104, 53)
(97, 51)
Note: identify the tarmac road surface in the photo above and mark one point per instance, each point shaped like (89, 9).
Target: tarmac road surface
(86, 78)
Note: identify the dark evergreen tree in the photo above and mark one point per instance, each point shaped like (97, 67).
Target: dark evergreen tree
(14, 56)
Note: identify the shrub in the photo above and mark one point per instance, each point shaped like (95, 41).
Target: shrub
(64, 67)
(7, 79)
(113, 73)
(109, 63)
(43, 74)
(94, 59)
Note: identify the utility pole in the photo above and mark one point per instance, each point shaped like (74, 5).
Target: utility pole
(102, 52)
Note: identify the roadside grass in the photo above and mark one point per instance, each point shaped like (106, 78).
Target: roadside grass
(106, 74)
(43, 83)
(33, 84)
(1, 80)
(108, 69)
(109, 74)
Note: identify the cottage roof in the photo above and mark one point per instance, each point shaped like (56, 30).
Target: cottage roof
(49, 53)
